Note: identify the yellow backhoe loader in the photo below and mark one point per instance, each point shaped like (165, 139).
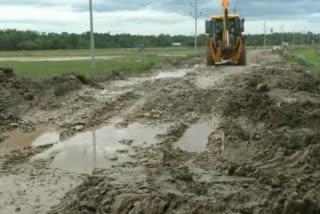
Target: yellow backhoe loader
(226, 42)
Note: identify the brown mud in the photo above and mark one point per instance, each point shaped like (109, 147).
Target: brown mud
(182, 139)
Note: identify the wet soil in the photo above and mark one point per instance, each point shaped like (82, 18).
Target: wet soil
(182, 139)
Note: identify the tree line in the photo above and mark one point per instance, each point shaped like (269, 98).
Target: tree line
(32, 40)
(274, 39)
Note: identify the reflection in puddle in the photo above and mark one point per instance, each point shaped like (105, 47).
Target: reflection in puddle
(47, 138)
(195, 139)
(169, 75)
(102, 148)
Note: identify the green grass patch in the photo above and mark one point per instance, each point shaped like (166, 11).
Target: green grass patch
(129, 61)
(98, 52)
(36, 70)
(307, 57)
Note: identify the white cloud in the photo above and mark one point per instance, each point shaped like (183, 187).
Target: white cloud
(62, 17)
(289, 26)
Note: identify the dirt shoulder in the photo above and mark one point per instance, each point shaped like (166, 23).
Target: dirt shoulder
(236, 140)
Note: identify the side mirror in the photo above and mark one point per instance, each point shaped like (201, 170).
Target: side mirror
(242, 25)
(208, 27)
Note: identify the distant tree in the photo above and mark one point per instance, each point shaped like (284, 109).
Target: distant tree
(30, 40)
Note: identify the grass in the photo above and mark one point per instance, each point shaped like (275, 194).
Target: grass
(36, 70)
(307, 57)
(99, 52)
(129, 61)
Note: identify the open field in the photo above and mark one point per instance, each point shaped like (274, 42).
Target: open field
(99, 52)
(35, 64)
(308, 57)
(124, 64)
(184, 138)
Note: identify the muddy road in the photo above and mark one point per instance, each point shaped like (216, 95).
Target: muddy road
(183, 139)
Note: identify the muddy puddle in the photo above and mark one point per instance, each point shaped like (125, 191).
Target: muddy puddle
(37, 138)
(195, 139)
(102, 148)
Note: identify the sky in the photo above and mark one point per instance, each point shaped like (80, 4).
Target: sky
(152, 17)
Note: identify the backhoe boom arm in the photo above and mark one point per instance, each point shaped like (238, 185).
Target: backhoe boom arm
(225, 7)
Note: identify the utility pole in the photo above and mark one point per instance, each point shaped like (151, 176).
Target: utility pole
(281, 34)
(301, 38)
(235, 8)
(294, 37)
(195, 25)
(314, 39)
(93, 61)
(265, 33)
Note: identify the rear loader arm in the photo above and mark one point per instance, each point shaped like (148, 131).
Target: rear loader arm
(225, 7)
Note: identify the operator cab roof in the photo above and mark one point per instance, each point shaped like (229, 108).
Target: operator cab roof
(231, 16)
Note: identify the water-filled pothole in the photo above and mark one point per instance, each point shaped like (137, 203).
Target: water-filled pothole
(37, 138)
(195, 139)
(102, 148)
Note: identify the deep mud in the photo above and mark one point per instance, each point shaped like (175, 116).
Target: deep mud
(238, 140)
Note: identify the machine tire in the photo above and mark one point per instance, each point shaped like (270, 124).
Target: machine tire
(243, 57)
(210, 61)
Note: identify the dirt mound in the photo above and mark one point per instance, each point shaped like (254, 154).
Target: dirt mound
(173, 99)
(114, 75)
(251, 98)
(65, 83)
(6, 71)
(16, 157)
(16, 95)
(19, 94)
(269, 132)
(138, 198)
(290, 77)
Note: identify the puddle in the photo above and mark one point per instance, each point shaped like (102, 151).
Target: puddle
(102, 148)
(47, 138)
(195, 138)
(170, 75)
(37, 138)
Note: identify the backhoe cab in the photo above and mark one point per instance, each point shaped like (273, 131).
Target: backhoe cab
(225, 42)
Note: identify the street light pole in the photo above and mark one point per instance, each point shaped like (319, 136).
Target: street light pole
(93, 61)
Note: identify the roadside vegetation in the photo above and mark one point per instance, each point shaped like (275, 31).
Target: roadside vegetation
(127, 60)
(307, 57)
(12, 39)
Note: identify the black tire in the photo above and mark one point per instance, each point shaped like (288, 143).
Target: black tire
(243, 57)
(210, 61)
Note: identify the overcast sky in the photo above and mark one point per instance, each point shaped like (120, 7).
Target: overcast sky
(154, 16)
